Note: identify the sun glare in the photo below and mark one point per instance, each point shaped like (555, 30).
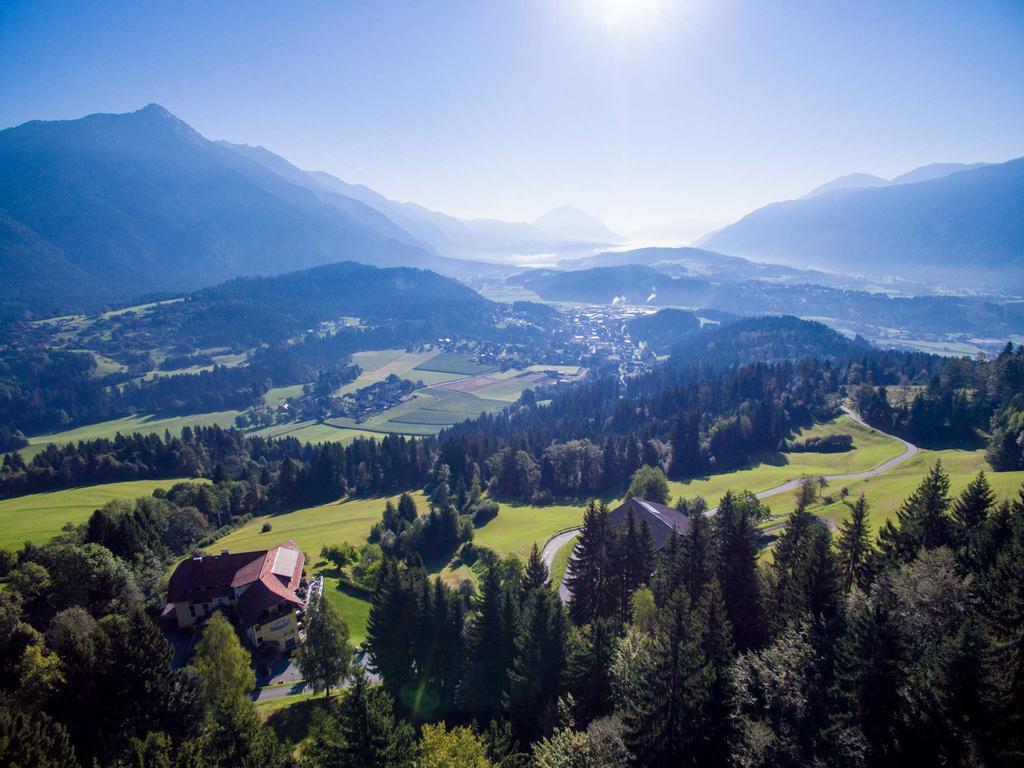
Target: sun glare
(621, 14)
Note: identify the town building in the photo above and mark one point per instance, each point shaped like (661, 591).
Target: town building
(265, 591)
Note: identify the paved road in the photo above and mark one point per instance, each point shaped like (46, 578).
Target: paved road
(555, 543)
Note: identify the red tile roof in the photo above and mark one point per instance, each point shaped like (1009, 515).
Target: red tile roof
(267, 579)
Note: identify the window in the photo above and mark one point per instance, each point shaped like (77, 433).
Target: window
(191, 610)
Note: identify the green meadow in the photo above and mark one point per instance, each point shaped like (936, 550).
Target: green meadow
(39, 517)
(871, 448)
(128, 425)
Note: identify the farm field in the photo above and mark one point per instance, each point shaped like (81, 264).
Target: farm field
(871, 448)
(126, 426)
(39, 517)
(453, 362)
(377, 365)
(313, 432)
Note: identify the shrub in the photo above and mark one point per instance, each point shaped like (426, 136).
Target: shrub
(267, 527)
(484, 512)
(826, 444)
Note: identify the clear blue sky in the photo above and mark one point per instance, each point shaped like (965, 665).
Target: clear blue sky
(663, 118)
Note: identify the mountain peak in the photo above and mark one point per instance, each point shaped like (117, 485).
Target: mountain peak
(571, 223)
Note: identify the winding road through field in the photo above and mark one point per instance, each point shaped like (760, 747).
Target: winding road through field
(559, 540)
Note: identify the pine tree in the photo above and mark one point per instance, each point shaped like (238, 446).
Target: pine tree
(325, 655)
(854, 546)
(536, 675)
(34, 740)
(970, 513)
(735, 532)
(870, 678)
(587, 577)
(487, 655)
(590, 661)
(536, 574)
(921, 522)
(363, 734)
(392, 611)
(407, 507)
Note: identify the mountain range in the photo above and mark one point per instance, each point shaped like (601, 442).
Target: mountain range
(964, 229)
(113, 206)
(863, 180)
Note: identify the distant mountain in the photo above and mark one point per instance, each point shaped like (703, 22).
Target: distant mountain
(572, 224)
(870, 313)
(849, 181)
(964, 229)
(865, 180)
(631, 284)
(703, 263)
(935, 171)
(460, 238)
(113, 206)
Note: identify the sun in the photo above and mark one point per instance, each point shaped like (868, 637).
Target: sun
(618, 14)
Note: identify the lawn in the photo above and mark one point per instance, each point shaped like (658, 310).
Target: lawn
(871, 448)
(339, 521)
(41, 516)
(128, 425)
(519, 526)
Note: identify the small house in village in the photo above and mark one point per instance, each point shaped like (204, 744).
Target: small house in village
(264, 590)
(661, 519)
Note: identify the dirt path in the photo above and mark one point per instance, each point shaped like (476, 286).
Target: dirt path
(556, 542)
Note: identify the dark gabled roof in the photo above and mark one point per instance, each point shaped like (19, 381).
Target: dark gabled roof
(209, 575)
(661, 519)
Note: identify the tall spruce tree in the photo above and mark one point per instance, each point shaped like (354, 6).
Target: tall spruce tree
(363, 734)
(535, 680)
(921, 522)
(854, 546)
(325, 655)
(536, 574)
(487, 653)
(590, 576)
(970, 511)
(736, 534)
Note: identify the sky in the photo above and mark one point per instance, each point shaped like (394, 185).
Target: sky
(666, 119)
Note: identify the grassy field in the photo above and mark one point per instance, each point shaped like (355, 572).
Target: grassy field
(886, 492)
(127, 425)
(312, 432)
(41, 516)
(871, 448)
(311, 528)
(519, 526)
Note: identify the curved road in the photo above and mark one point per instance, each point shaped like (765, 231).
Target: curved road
(556, 542)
